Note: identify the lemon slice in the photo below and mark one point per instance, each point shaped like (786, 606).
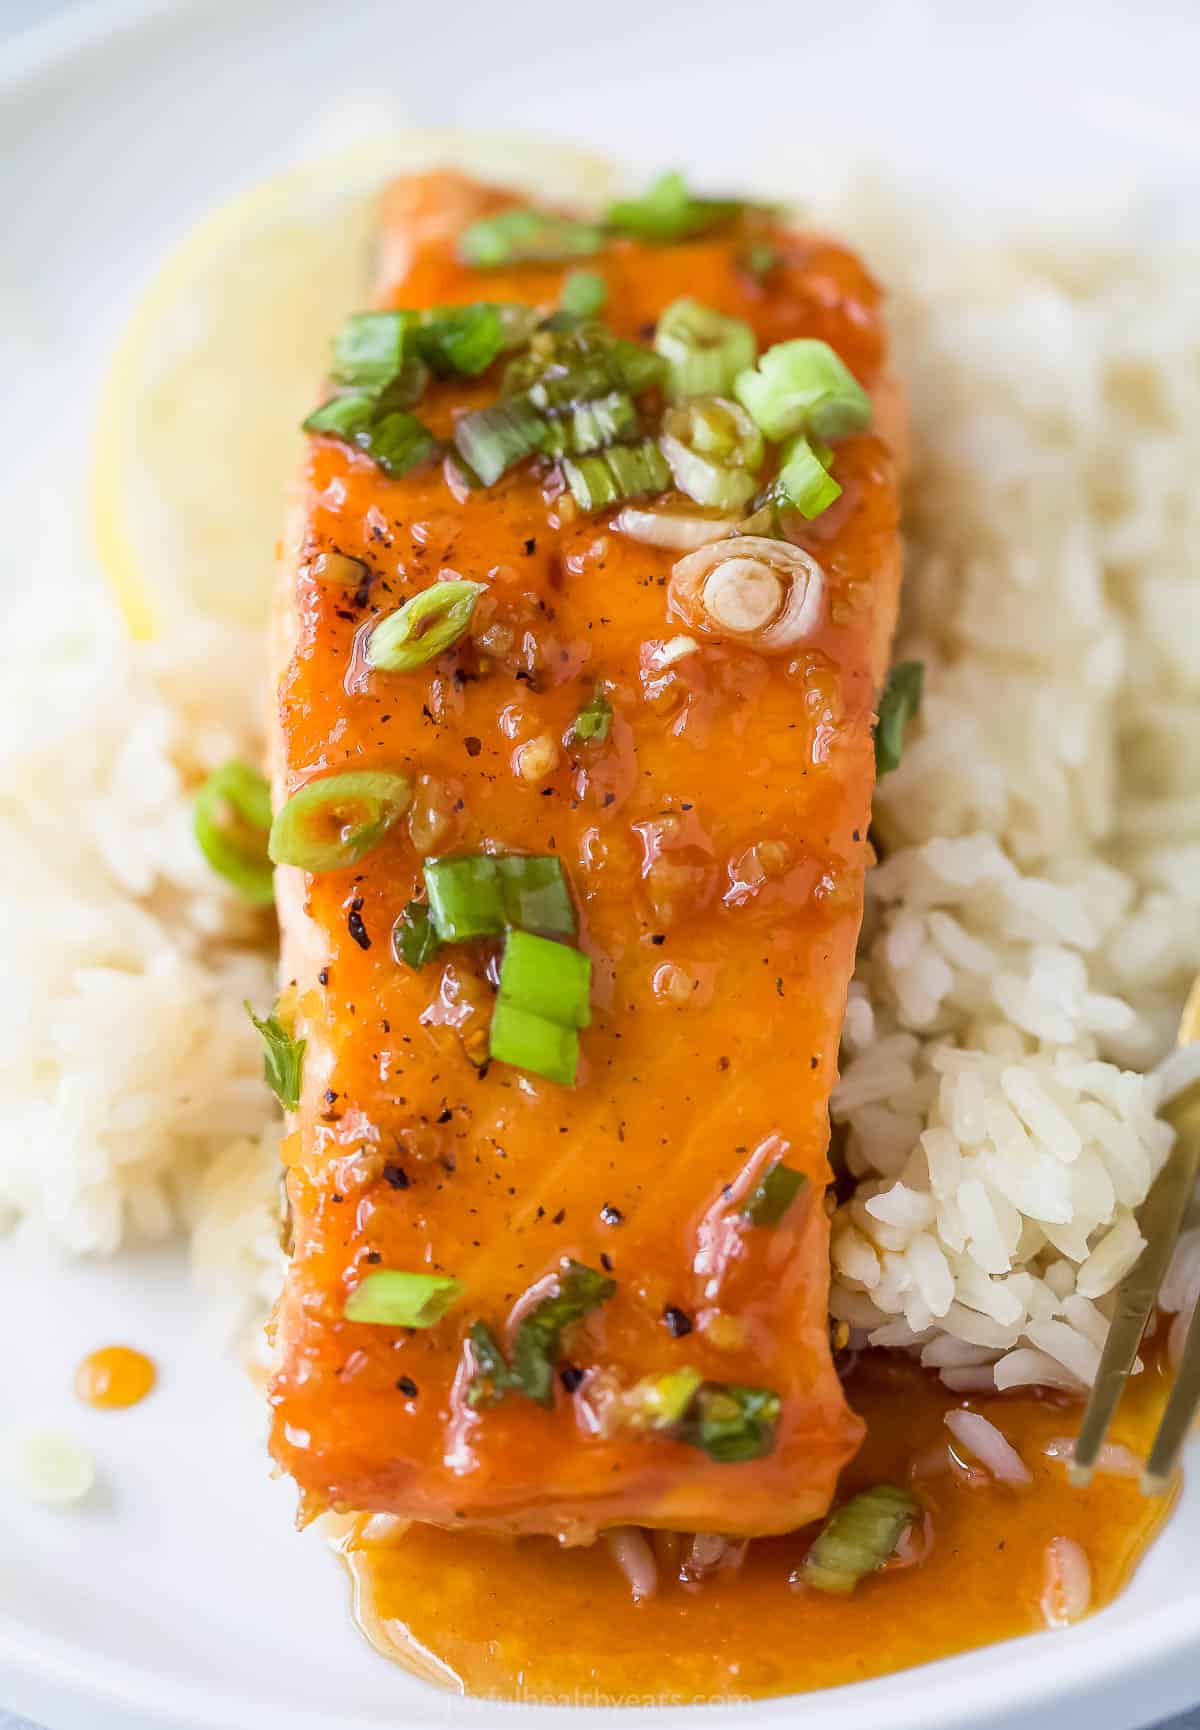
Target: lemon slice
(221, 360)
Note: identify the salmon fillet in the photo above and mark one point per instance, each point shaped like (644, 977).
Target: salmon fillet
(715, 844)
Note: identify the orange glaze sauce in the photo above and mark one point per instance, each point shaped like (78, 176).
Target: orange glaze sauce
(407, 1153)
(528, 1620)
(115, 1377)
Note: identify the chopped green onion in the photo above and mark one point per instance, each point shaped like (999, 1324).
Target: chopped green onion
(397, 442)
(900, 701)
(668, 212)
(622, 472)
(546, 978)
(592, 722)
(589, 426)
(660, 1402)
(414, 936)
(583, 294)
(773, 1194)
(462, 340)
(527, 237)
(283, 1058)
(533, 1043)
(760, 259)
(803, 480)
(424, 627)
(406, 388)
(492, 1378)
(465, 897)
(344, 416)
(336, 820)
(369, 348)
(638, 368)
(858, 1538)
(393, 1299)
(704, 350)
(535, 894)
(493, 439)
(537, 1345)
(714, 450)
(230, 820)
(480, 894)
(730, 1423)
(803, 386)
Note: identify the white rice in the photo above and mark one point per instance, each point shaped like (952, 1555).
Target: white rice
(1035, 922)
(1031, 930)
(130, 1072)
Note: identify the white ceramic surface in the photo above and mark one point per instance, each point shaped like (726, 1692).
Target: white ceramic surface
(179, 1597)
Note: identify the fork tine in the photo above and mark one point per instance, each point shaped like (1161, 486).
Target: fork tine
(1160, 1218)
(1182, 1407)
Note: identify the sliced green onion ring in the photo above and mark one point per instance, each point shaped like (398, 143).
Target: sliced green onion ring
(533, 887)
(343, 416)
(803, 386)
(704, 350)
(547, 979)
(858, 1538)
(390, 1298)
(533, 1043)
(527, 237)
(335, 820)
(714, 451)
(768, 594)
(681, 528)
(621, 472)
(424, 627)
(231, 820)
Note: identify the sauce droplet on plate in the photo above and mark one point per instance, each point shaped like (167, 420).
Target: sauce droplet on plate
(114, 1377)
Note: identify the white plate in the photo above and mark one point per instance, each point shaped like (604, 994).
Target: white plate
(179, 1596)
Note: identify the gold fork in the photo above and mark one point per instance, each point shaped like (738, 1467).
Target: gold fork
(1161, 1220)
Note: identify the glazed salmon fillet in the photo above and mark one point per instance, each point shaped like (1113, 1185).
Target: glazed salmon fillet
(612, 1178)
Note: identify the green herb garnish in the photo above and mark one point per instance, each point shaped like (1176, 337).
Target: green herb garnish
(900, 701)
(592, 723)
(335, 820)
(527, 237)
(537, 1345)
(231, 819)
(283, 1058)
(414, 938)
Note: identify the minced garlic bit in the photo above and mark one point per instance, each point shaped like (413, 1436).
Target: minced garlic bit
(537, 759)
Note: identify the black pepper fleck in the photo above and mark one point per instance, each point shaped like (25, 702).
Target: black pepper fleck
(658, 938)
(611, 1215)
(571, 1377)
(474, 745)
(396, 1176)
(407, 1386)
(676, 1321)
